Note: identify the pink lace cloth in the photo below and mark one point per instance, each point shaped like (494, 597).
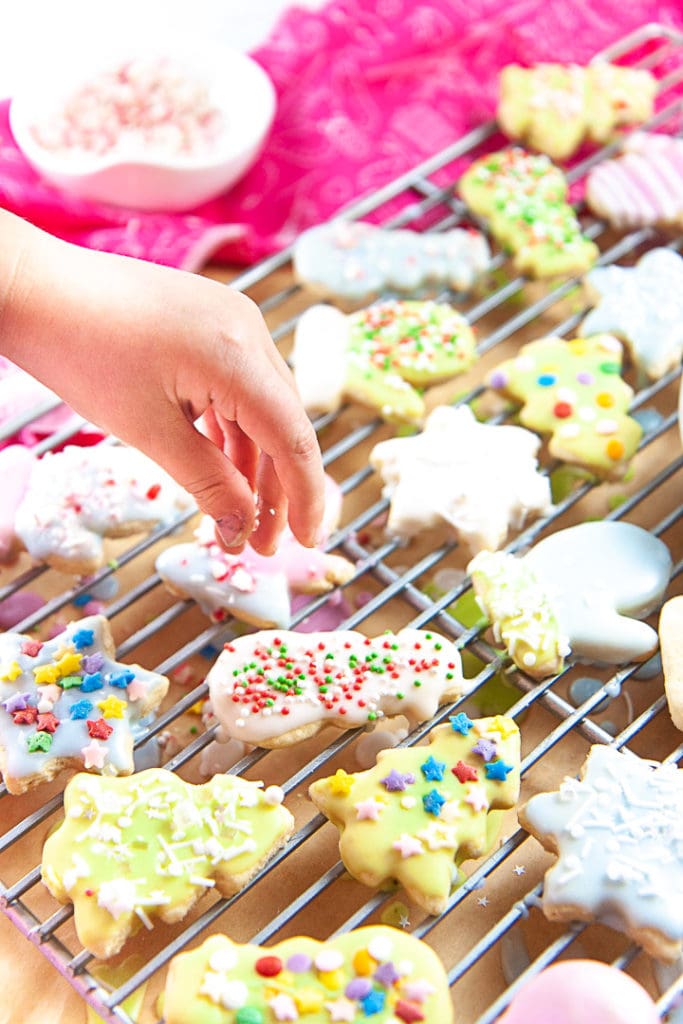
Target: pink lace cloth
(366, 90)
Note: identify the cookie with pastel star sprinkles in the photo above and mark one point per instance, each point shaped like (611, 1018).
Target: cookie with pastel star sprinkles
(375, 973)
(422, 811)
(381, 357)
(66, 703)
(523, 197)
(274, 688)
(130, 850)
(618, 835)
(573, 393)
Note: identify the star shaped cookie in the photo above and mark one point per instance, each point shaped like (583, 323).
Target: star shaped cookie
(374, 973)
(68, 704)
(149, 846)
(480, 479)
(432, 807)
(642, 305)
(618, 835)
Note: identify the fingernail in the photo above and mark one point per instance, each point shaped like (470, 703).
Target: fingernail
(231, 529)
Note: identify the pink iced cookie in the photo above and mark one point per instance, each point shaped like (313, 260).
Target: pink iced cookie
(252, 587)
(16, 466)
(582, 992)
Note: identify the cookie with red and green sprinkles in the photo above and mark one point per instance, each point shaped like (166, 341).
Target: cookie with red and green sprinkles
(382, 356)
(376, 973)
(422, 811)
(573, 392)
(274, 688)
(523, 196)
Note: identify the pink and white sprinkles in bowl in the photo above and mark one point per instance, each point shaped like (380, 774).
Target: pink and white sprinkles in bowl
(148, 104)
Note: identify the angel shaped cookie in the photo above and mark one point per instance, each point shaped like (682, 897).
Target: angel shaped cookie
(380, 356)
(274, 688)
(618, 835)
(583, 589)
(422, 811)
(480, 479)
(149, 846)
(255, 588)
(374, 973)
(354, 261)
(68, 704)
(76, 497)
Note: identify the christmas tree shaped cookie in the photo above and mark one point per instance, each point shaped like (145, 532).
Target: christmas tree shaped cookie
(148, 846)
(422, 811)
(572, 392)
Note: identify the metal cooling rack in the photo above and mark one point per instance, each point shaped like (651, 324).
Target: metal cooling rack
(395, 586)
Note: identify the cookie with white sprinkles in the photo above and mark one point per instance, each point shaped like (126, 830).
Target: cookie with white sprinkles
(276, 687)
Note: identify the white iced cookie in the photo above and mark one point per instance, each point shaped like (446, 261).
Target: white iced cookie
(382, 356)
(671, 645)
(480, 479)
(252, 587)
(78, 496)
(274, 688)
(642, 305)
(596, 580)
(642, 186)
(354, 261)
(618, 835)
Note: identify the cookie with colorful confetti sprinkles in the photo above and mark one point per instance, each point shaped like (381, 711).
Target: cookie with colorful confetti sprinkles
(618, 835)
(375, 973)
(274, 688)
(572, 392)
(523, 196)
(68, 704)
(422, 811)
(149, 846)
(381, 356)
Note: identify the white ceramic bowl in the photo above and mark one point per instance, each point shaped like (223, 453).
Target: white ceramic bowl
(237, 85)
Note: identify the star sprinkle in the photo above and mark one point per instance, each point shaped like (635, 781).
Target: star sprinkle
(382, 971)
(48, 698)
(427, 826)
(151, 844)
(340, 782)
(461, 723)
(643, 305)
(369, 810)
(435, 478)
(618, 835)
(498, 770)
(484, 748)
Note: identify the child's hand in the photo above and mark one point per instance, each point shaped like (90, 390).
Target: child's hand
(143, 351)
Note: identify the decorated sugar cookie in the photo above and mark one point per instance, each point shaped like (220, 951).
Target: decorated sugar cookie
(276, 687)
(422, 811)
(355, 261)
(78, 496)
(523, 198)
(380, 356)
(581, 990)
(618, 835)
(68, 704)
(643, 305)
(671, 644)
(572, 391)
(641, 187)
(582, 590)
(149, 846)
(555, 107)
(252, 587)
(376, 973)
(436, 477)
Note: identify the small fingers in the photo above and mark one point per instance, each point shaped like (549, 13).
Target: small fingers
(271, 509)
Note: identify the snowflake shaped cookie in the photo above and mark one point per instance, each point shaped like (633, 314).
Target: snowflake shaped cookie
(422, 811)
(480, 479)
(373, 973)
(618, 834)
(643, 305)
(130, 850)
(67, 703)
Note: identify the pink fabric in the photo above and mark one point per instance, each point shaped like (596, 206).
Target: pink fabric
(366, 89)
